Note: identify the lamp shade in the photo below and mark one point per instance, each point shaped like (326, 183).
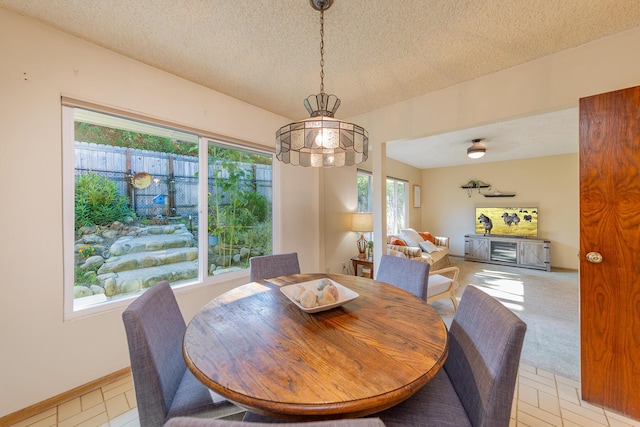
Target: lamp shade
(362, 222)
(322, 141)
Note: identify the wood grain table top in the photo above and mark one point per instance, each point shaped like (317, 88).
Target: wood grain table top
(255, 347)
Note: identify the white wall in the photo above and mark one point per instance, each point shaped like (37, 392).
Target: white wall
(42, 355)
(548, 183)
(339, 201)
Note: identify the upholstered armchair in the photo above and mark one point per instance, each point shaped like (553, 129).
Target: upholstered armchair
(443, 284)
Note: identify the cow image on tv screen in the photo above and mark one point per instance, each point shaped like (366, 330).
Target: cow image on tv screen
(507, 221)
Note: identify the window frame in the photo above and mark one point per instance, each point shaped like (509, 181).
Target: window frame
(406, 205)
(68, 204)
(369, 176)
(361, 172)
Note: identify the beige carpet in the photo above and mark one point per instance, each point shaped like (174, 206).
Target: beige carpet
(546, 301)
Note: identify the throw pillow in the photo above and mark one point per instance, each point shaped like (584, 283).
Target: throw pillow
(427, 236)
(397, 242)
(411, 237)
(428, 247)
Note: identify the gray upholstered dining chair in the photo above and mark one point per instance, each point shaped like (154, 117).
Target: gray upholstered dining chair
(268, 266)
(412, 276)
(476, 386)
(197, 422)
(164, 387)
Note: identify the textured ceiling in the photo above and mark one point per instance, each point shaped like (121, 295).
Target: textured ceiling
(377, 52)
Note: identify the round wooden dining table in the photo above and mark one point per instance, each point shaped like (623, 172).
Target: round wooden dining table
(258, 349)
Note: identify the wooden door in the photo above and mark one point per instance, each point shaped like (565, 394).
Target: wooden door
(610, 226)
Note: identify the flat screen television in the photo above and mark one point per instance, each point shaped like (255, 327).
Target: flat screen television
(507, 221)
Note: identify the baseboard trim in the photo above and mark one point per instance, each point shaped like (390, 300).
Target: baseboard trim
(35, 409)
(570, 270)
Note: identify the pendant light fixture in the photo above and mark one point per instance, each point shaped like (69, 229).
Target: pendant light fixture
(477, 149)
(322, 140)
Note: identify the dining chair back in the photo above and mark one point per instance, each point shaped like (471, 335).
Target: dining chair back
(476, 386)
(412, 276)
(164, 387)
(268, 266)
(196, 422)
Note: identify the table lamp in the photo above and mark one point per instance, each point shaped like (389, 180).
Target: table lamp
(362, 223)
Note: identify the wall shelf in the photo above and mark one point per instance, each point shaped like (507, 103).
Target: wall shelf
(498, 194)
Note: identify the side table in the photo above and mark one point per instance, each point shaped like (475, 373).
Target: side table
(366, 263)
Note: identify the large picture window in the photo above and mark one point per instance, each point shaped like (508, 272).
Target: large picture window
(141, 207)
(239, 207)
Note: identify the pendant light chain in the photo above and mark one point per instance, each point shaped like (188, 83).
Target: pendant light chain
(322, 51)
(322, 140)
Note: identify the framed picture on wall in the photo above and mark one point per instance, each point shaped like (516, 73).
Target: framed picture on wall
(416, 196)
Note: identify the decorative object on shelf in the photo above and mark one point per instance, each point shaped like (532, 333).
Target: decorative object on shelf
(477, 149)
(473, 184)
(362, 223)
(321, 140)
(416, 196)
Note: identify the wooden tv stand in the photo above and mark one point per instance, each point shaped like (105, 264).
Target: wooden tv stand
(506, 250)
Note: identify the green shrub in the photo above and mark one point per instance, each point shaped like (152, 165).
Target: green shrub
(262, 236)
(85, 278)
(99, 201)
(257, 207)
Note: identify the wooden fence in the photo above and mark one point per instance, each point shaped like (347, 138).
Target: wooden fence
(173, 191)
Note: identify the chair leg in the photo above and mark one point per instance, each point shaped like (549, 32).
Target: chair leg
(452, 295)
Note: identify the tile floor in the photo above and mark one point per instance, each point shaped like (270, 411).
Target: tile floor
(111, 405)
(544, 399)
(541, 399)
